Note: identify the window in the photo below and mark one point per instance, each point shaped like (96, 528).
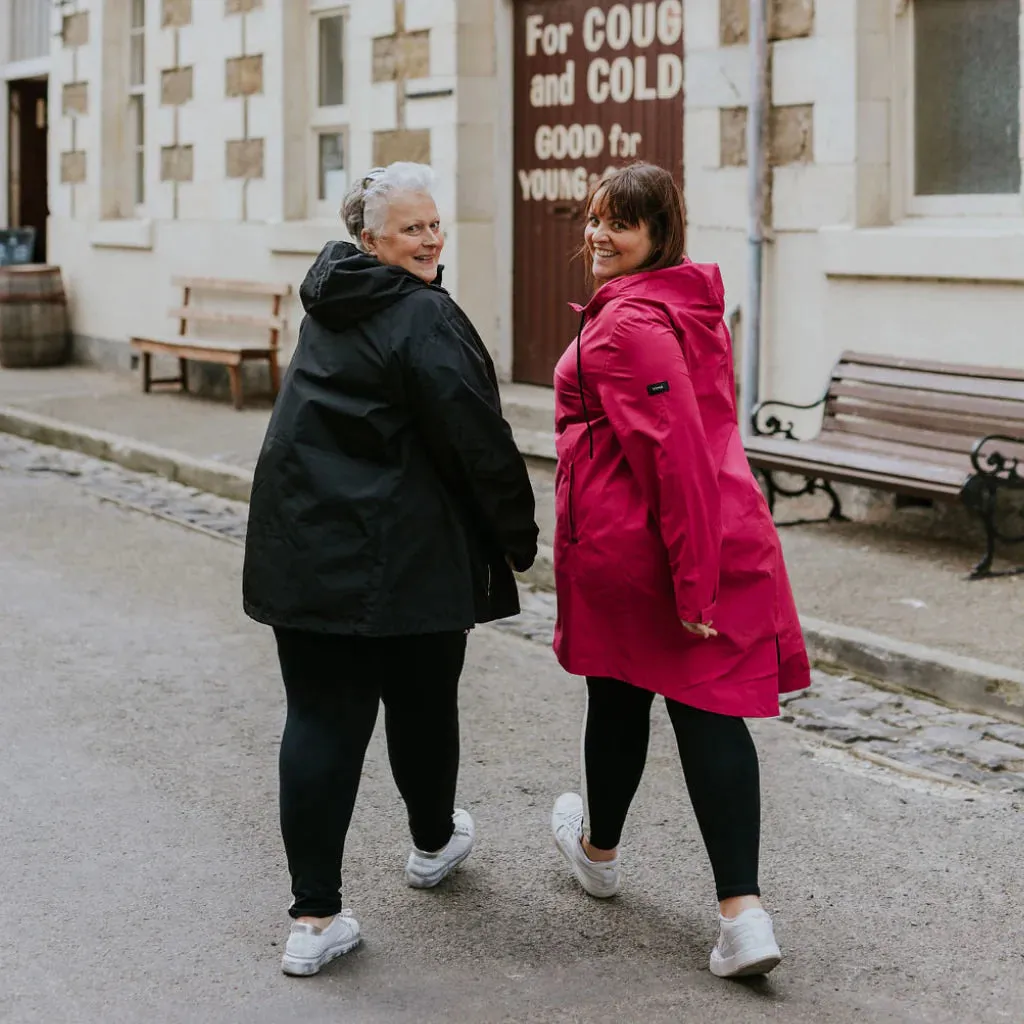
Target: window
(137, 99)
(29, 29)
(330, 62)
(966, 107)
(329, 155)
(333, 178)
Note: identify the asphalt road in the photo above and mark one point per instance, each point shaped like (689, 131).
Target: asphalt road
(142, 877)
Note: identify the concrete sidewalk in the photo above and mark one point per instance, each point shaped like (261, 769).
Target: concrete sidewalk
(880, 602)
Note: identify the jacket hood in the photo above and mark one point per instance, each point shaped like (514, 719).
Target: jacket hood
(346, 285)
(693, 288)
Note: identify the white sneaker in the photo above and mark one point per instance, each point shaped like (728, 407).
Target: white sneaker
(746, 946)
(425, 870)
(600, 879)
(309, 947)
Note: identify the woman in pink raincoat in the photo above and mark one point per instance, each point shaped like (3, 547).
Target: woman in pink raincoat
(669, 571)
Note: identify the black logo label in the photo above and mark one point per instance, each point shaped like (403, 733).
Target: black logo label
(657, 389)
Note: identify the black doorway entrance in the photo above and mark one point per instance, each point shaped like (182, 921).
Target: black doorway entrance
(27, 146)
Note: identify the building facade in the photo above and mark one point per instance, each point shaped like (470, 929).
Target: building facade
(896, 214)
(216, 137)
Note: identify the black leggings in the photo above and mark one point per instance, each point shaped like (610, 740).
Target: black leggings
(334, 686)
(719, 764)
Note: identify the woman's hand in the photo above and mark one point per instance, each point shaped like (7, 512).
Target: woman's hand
(704, 631)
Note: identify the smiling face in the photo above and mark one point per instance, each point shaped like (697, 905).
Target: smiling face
(411, 237)
(614, 247)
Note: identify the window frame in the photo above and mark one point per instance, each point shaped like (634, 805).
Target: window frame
(331, 120)
(1007, 204)
(135, 92)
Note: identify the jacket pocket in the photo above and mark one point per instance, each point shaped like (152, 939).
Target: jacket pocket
(573, 538)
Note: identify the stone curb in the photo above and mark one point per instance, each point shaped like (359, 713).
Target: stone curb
(964, 682)
(204, 474)
(967, 683)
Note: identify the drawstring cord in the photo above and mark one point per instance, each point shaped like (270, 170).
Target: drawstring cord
(579, 380)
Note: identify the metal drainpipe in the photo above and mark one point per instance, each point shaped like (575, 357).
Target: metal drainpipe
(757, 116)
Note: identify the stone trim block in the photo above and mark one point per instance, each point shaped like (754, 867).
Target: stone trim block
(176, 86)
(790, 19)
(72, 167)
(243, 76)
(176, 13)
(176, 163)
(244, 158)
(75, 29)
(787, 19)
(399, 57)
(403, 144)
(75, 99)
(790, 136)
(732, 133)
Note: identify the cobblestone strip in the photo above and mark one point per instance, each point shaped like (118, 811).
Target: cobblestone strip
(141, 491)
(920, 734)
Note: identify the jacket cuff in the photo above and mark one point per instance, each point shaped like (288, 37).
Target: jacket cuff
(699, 617)
(522, 561)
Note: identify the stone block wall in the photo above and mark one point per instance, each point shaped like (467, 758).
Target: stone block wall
(231, 150)
(812, 157)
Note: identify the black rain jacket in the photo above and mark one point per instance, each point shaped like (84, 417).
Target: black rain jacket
(389, 490)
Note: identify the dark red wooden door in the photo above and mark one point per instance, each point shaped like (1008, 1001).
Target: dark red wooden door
(597, 85)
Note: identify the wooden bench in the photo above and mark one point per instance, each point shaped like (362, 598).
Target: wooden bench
(923, 430)
(231, 352)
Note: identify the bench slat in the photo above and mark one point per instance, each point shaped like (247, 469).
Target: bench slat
(201, 314)
(984, 387)
(841, 410)
(821, 458)
(917, 437)
(222, 284)
(926, 456)
(933, 366)
(192, 347)
(996, 410)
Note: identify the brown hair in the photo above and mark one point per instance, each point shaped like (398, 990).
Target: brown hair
(644, 194)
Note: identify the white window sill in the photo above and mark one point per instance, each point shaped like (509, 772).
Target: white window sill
(303, 237)
(948, 249)
(122, 234)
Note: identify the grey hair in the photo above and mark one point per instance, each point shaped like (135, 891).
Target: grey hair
(367, 201)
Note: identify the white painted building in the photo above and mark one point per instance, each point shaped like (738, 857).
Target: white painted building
(214, 137)
(897, 218)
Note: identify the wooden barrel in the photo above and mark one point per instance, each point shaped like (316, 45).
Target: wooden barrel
(33, 316)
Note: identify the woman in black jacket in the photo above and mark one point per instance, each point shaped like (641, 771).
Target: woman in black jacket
(389, 507)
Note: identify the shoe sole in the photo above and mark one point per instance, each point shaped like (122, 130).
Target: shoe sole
(296, 967)
(763, 964)
(584, 882)
(434, 879)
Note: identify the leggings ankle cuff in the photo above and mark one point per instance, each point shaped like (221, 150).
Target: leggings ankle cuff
(729, 892)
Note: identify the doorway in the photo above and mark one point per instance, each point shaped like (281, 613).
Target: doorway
(27, 194)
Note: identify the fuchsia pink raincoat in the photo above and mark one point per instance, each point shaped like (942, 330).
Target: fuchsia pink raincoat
(659, 517)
